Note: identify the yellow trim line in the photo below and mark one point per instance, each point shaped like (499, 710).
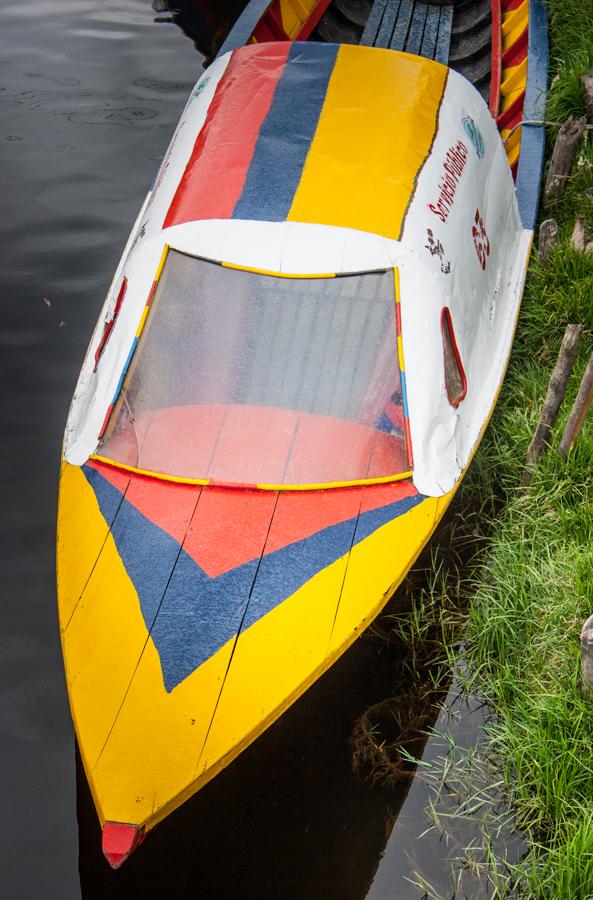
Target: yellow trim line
(162, 261)
(204, 482)
(229, 265)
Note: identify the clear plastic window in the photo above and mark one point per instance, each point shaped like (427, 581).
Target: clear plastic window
(246, 378)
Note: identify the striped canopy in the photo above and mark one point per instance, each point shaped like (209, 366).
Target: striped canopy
(318, 133)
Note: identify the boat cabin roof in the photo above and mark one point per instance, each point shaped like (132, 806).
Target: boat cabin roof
(313, 160)
(319, 133)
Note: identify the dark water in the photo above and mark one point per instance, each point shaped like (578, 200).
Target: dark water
(90, 92)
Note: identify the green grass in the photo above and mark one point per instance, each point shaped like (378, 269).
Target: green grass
(530, 576)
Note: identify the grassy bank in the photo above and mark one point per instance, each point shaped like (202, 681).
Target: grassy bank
(531, 580)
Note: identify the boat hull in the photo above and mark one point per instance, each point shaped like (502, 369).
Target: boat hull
(193, 613)
(175, 731)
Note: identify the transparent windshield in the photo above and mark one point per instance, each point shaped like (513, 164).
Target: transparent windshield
(246, 378)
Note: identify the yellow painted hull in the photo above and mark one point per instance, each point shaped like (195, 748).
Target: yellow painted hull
(147, 746)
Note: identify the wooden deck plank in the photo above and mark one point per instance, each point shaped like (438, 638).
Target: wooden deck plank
(444, 39)
(373, 23)
(383, 38)
(416, 32)
(402, 25)
(431, 32)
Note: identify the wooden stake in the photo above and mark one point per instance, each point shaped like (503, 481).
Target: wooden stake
(578, 234)
(563, 156)
(577, 416)
(587, 657)
(548, 235)
(587, 82)
(554, 397)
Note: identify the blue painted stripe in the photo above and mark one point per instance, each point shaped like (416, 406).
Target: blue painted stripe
(148, 553)
(286, 134)
(189, 615)
(368, 522)
(109, 501)
(531, 159)
(283, 572)
(404, 393)
(384, 423)
(125, 369)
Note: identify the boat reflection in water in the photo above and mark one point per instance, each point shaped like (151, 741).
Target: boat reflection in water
(287, 819)
(205, 23)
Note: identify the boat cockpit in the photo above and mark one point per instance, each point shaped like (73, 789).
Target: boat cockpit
(264, 379)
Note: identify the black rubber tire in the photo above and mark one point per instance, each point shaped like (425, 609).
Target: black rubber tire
(471, 43)
(356, 11)
(335, 28)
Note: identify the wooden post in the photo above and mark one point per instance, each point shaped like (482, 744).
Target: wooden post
(548, 235)
(587, 83)
(554, 397)
(579, 411)
(578, 234)
(587, 657)
(563, 156)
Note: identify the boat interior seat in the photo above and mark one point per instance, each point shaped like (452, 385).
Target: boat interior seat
(409, 25)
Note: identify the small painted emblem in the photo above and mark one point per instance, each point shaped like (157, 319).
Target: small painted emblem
(435, 248)
(475, 135)
(201, 85)
(481, 242)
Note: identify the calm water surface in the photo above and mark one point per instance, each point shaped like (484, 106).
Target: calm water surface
(90, 92)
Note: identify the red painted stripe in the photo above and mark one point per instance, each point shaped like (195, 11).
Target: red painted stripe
(227, 140)
(116, 477)
(264, 33)
(377, 495)
(509, 5)
(109, 325)
(119, 840)
(151, 293)
(409, 443)
(229, 528)
(265, 436)
(496, 66)
(398, 320)
(517, 52)
(512, 123)
(512, 114)
(169, 506)
(105, 421)
(270, 27)
(313, 20)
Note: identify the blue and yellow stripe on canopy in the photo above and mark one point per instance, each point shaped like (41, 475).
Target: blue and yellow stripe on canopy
(375, 131)
(340, 140)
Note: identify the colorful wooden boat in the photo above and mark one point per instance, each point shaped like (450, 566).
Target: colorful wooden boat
(295, 362)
